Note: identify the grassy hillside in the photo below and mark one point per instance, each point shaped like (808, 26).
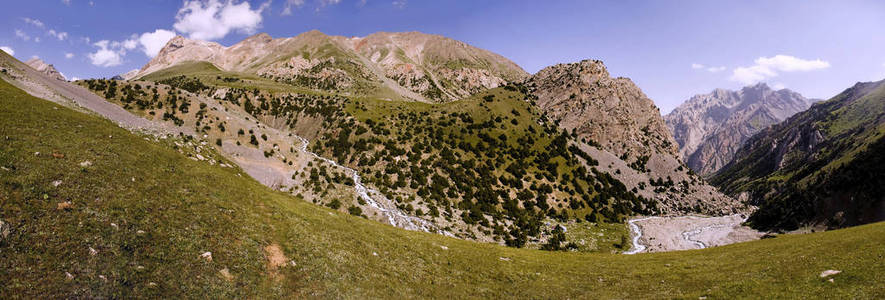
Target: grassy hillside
(149, 213)
(488, 167)
(821, 167)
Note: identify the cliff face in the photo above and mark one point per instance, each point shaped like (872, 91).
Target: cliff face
(613, 112)
(623, 128)
(414, 66)
(820, 167)
(42, 67)
(711, 127)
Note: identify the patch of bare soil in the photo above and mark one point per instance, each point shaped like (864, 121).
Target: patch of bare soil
(275, 260)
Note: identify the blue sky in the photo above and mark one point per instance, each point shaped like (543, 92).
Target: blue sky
(671, 49)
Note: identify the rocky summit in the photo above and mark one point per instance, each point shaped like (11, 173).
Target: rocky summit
(624, 128)
(409, 66)
(43, 67)
(711, 127)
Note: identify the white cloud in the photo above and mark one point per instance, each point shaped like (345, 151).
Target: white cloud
(106, 55)
(22, 35)
(768, 67)
(779, 86)
(37, 39)
(75, 78)
(61, 36)
(69, 55)
(66, 2)
(34, 22)
(697, 66)
(7, 50)
(287, 10)
(212, 19)
(153, 42)
(399, 3)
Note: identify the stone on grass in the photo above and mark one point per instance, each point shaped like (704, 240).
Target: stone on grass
(829, 273)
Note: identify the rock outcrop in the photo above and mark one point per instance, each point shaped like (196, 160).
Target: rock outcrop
(623, 129)
(711, 127)
(42, 67)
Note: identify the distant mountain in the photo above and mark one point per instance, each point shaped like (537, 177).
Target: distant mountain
(410, 66)
(615, 116)
(126, 76)
(824, 166)
(43, 67)
(711, 127)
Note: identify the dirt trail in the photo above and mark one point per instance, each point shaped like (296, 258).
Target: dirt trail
(660, 234)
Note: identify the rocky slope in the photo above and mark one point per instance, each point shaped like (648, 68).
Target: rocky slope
(823, 166)
(711, 127)
(43, 67)
(624, 130)
(412, 66)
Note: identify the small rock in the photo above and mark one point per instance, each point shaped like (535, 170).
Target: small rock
(133, 179)
(375, 253)
(152, 284)
(56, 183)
(444, 247)
(115, 226)
(140, 232)
(828, 273)
(92, 251)
(36, 153)
(86, 164)
(139, 268)
(4, 230)
(207, 255)
(831, 280)
(292, 263)
(68, 276)
(504, 258)
(103, 278)
(58, 155)
(64, 205)
(225, 273)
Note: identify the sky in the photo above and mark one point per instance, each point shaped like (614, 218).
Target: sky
(671, 49)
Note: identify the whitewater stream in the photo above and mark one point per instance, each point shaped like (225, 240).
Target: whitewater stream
(387, 207)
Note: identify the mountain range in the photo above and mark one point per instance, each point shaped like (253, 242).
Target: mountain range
(247, 172)
(822, 167)
(411, 65)
(711, 127)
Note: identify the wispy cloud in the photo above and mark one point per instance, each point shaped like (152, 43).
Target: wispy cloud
(697, 66)
(34, 22)
(22, 35)
(768, 67)
(287, 9)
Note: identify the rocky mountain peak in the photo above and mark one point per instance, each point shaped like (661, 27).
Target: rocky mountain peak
(45, 68)
(709, 128)
(413, 65)
(611, 111)
(624, 129)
